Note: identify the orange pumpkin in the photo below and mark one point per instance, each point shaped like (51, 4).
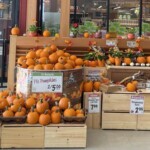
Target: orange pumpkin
(4, 93)
(53, 48)
(31, 67)
(80, 115)
(45, 119)
(69, 112)
(8, 113)
(86, 35)
(148, 59)
(68, 66)
(127, 60)
(14, 107)
(63, 103)
(46, 33)
(93, 63)
(59, 66)
(19, 100)
(56, 117)
(30, 61)
(53, 58)
(31, 54)
(43, 60)
(48, 67)
(79, 111)
(131, 87)
(62, 59)
(15, 30)
(60, 53)
(10, 98)
(117, 61)
(21, 59)
(30, 102)
(38, 67)
(41, 106)
(38, 53)
(141, 59)
(101, 63)
(32, 117)
(3, 103)
(86, 63)
(88, 86)
(20, 112)
(73, 57)
(111, 59)
(96, 85)
(79, 62)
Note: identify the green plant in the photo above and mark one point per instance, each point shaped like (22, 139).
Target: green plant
(117, 52)
(131, 30)
(89, 27)
(129, 53)
(33, 27)
(145, 27)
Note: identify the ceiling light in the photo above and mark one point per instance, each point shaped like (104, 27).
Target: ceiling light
(100, 6)
(117, 7)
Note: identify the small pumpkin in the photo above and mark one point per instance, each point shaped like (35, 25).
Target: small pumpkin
(56, 117)
(46, 33)
(20, 112)
(44, 54)
(43, 60)
(8, 113)
(96, 85)
(69, 112)
(111, 59)
(59, 66)
(60, 53)
(141, 59)
(56, 107)
(3, 103)
(14, 107)
(79, 62)
(32, 117)
(30, 102)
(63, 103)
(21, 59)
(117, 61)
(45, 119)
(15, 30)
(30, 61)
(101, 63)
(73, 57)
(38, 53)
(88, 86)
(53, 58)
(131, 87)
(53, 47)
(68, 66)
(31, 54)
(79, 111)
(93, 63)
(4, 93)
(48, 67)
(31, 67)
(62, 59)
(41, 106)
(10, 98)
(19, 100)
(80, 115)
(38, 67)
(148, 59)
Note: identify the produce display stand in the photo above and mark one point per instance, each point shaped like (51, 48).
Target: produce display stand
(116, 111)
(37, 136)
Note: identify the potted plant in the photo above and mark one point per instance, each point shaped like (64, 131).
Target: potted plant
(33, 29)
(129, 55)
(117, 54)
(140, 58)
(74, 30)
(131, 33)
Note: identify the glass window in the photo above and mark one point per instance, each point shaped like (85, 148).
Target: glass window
(146, 18)
(89, 13)
(124, 16)
(51, 15)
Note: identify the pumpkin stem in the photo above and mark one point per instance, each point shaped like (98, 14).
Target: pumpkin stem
(69, 105)
(32, 108)
(19, 109)
(6, 108)
(56, 103)
(46, 111)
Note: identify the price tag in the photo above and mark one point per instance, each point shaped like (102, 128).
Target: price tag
(111, 42)
(137, 104)
(47, 82)
(131, 44)
(94, 103)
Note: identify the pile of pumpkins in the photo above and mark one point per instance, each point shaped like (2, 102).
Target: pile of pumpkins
(49, 58)
(37, 109)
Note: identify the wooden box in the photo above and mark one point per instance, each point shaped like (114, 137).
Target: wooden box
(22, 136)
(93, 73)
(94, 116)
(116, 112)
(65, 136)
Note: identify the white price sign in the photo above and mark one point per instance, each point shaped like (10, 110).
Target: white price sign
(137, 104)
(47, 82)
(131, 44)
(94, 103)
(111, 42)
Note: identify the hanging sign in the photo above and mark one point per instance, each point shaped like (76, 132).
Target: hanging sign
(137, 104)
(47, 82)
(131, 44)
(111, 42)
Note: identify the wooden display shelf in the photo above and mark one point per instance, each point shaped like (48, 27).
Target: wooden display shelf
(116, 112)
(37, 136)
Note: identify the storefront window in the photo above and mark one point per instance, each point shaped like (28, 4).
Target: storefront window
(89, 13)
(146, 18)
(124, 16)
(51, 15)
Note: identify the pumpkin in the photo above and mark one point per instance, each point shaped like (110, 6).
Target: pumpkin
(86, 63)
(79, 62)
(63, 103)
(21, 59)
(107, 36)
(31, 67)
(79, 111)
(15, 30)
(141, 59)
(3, 103)
(38, 53)
(30, 102)
(31, 54)
(117, 61)
(101, 63)
(68, 66)
(80, 115)
(111, 59)
(8, 113)
(59, 66)
(93, 63)
(86, 35)
(53, 58)
(20, 112)
(131, 87)
(41, 106)
(14, 107)
(69, 112)
(30, 61)
(53, 48)
(10, 98)
(43, 60)
(148, 59)
(56, 107)
(32, 117)
(60, 53)
(62, 59)
(48, 49)
(56, 117)
(127, 60)
(44, 54)
(71, 62)
(24, 65)
(46, 33)
(135, 83)
(19, 100)
(96, 85)
(88, 86)
(48, 67)
(38, 67)
(73, 57)
(66, 54)
(45, 119)
(4, 93)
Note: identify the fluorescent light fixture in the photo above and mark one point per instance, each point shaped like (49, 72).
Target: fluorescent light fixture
(132, 9)
(100, 6)
(117, 7)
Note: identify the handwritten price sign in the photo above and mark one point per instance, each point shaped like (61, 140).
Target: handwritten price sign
(94, 104)
(137, 104)
(111, 42)
(47, 82)
(131, 44)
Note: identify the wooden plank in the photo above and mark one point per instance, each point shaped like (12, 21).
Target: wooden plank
(31, 12)
(65, 18)
(143, 122)
(118, 121)
(12, 62)
(65, 137)
(22, 137)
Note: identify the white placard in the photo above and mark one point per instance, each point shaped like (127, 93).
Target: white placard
(111, 42)
(137, 104)
(131, 44)
(47, 82)
(94, 103)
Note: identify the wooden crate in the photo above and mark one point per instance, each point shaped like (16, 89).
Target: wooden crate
(116, 112)
(65, 136)
(22, 136)
(93, 119)
(143, 121)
